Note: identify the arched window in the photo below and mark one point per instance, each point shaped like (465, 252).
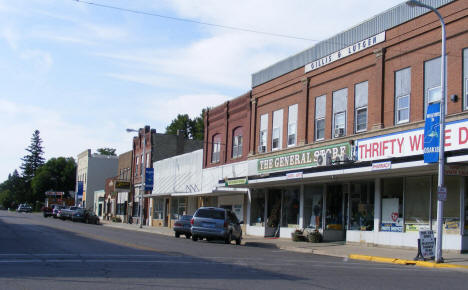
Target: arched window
(216, 148)
(237, 142)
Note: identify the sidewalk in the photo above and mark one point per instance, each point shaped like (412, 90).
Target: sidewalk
(335, 249)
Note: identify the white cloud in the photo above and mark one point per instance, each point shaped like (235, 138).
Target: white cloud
(42, 60)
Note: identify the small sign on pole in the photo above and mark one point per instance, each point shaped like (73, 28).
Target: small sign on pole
(149, 178)
(442, 193)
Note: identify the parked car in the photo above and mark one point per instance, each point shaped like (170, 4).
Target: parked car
(66, 213)
(24, 208)
(183, 226)
(84, 215)
(56, 210)
(216, 223)
(47, 211)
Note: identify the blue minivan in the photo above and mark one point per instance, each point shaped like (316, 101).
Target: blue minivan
(216, 223)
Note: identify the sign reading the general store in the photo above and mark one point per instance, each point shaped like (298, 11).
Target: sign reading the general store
(306, 158)
(410, 143)
(347, 51)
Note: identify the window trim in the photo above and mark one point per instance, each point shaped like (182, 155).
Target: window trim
(345, 111)
(216, 144)
(279, 128)
(334, 124)
(356, 109)
(317, 119)
(356, 119)
(316, 128)
(263, 134)
(397, 121)
(238, 147)
(292, 123)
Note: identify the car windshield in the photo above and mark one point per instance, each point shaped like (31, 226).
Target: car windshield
(186, 217)
(211, 213)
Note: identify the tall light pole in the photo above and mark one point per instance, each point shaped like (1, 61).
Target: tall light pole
(440, 202)
(143, 169)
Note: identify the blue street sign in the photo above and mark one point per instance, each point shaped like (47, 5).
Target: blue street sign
(79, 190)
(431, 134)
(149, 178)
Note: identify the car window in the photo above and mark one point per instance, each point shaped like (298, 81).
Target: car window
(186, 217)
(210, 213)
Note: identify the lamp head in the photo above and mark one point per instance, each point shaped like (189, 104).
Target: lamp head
(130, 130)
(413, 3)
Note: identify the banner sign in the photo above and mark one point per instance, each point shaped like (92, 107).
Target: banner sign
(79, 189)
(306, 158)
(149, 178)
(410, 143)
(456, 170)
(347, 51)
(121, 184)
(431, 134)
(382, 165)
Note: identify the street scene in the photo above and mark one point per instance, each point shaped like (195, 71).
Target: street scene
(40, 253)
(213, 144)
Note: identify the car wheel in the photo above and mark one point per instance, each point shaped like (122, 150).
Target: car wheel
(177, 234)
(187, 236)
(238, 241)
(228, 239)
(194, 238)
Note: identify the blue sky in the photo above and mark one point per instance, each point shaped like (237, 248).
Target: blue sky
(81, 74)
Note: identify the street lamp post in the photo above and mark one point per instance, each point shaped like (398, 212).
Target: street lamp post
(142, 187)
(440, 203)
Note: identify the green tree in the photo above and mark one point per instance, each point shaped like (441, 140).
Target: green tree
(14, 191)
(106, 151)
(57, 174)
(33, 160)
(191, 128)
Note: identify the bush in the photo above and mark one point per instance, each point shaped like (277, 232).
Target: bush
(116, 219)
(298, 236)
(315, 237)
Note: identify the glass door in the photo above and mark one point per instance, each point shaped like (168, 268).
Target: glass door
(274, 203)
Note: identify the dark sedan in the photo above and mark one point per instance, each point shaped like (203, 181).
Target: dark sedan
(84, 215)
(183, 226)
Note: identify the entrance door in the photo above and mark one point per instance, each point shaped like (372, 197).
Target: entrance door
(336, 211)
(166, 212)
(273, 222)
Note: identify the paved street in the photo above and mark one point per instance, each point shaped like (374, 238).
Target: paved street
(39, 253)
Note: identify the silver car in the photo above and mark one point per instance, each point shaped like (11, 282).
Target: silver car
(216, 223)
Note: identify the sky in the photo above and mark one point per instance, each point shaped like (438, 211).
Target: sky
(81, 74)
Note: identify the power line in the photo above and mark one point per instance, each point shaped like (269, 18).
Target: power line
(193, 21)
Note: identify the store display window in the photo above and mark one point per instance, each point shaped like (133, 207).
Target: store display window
(257, 208)
(417, 200)
(335, 218)
(313, 201)
(178, 207)
(158, 208)
(290, 208)
(451, 205)
(362, 206)
(392, 205)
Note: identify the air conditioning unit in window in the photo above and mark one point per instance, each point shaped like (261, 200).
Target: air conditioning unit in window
(339, 132)
(261, 149)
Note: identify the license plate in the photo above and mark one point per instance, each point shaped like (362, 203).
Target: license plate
(208, 225)
(186, 226)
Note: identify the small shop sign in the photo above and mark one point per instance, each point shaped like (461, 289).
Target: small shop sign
(294, 175)
(426, 245)
(442, 193)
(120, 184)
(409, 143)
(238, 181)
(382, 165)
(456, 170)
(327, 155)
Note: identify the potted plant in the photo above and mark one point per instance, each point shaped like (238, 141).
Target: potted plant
(297, 235)
(315, 237)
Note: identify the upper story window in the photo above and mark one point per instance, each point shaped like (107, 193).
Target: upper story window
(465, 77)
(361, 92)
(292, 125)
(148, 160)
(237, 143)
(402, 95)
(142, 164)
(277, 132)
(136, 164)
(320, 109)
(263, 133)
(216, 148)
(432, 84)
(340, 101)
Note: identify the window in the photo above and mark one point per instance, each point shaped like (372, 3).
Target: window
(417, 202)
(158, 205)
(465, 77)
(237, 143)
(320, 107)
(360, 100)
(313, 200)
(392, 205)
(148, 160)
(362, 206)
(263, 133)
(136, 165)
(178, 207)
(277, 133)
(432, 85)
(216, 148)
(292, 125)
(141, 164)
(340, 101)
(290, 208)
(257, 208)
(402, 95)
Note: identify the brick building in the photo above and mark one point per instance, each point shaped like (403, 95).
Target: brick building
(337, 133)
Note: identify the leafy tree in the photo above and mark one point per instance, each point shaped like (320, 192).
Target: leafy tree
(106, 151)
(14, 191)
(191, 128)
(34, 159)
(58, 174)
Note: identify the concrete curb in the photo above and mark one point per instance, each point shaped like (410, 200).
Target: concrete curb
(404, 262)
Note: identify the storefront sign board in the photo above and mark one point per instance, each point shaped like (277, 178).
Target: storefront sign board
(431, 134)
(456, 170)
(347, 51)
(321, 156)
(410, 143)
(294, 175)
(238, 181)
(427, 243)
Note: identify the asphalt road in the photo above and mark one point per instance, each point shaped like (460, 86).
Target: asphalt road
(46, 253)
